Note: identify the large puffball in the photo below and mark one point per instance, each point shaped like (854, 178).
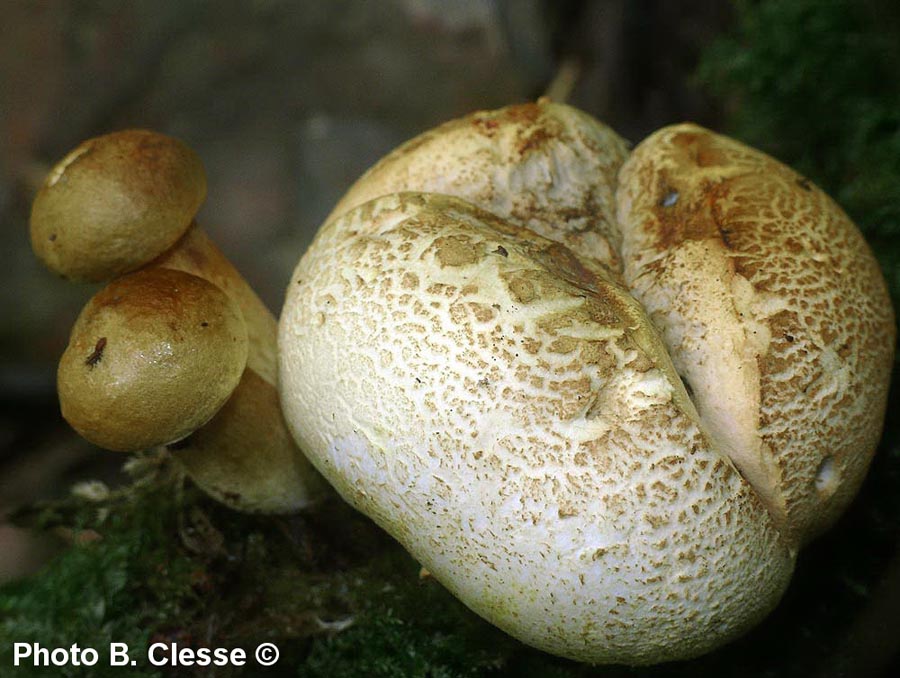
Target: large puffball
(596, 421)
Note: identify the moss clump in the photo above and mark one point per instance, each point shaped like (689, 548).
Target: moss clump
(118, 585)
(386, 646)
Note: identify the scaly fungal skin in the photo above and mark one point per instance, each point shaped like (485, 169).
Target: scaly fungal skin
(503, 394)
(774, 309)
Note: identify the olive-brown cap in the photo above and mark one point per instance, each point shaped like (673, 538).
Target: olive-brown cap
(153, 356)
(115, 203)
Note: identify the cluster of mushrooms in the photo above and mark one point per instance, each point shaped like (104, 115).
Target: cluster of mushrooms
(177, 350)
(604, 396)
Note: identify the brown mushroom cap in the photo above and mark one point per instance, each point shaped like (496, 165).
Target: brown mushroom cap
(115, 203)
(152, 356)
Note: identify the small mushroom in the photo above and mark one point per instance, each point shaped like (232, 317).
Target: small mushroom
(511, 405)
(152, 357)
(115, 203)
(126, 202)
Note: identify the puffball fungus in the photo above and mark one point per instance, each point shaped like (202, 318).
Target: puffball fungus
(486, 349)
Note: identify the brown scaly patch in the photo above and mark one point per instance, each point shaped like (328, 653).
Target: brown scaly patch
(669, 213)
(485, 125)
(538, 138)
(456, 251)
(560, 260)
(520, 114)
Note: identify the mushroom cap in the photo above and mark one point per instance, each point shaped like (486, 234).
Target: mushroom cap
(115, 203)
(546, 166)
(773, 308)
(508, 413)
(246, 458)
(151, 357)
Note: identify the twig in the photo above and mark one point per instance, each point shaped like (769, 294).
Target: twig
(563, 83)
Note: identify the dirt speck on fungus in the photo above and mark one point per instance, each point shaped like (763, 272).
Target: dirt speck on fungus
(97, 354)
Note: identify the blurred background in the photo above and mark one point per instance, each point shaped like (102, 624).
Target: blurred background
(288, 102)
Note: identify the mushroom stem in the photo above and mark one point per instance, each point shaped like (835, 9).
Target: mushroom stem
(196, 253)
(217, 460)
(559, 90)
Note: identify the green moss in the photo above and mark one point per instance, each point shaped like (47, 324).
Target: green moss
(116, 588)
(384, 646)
